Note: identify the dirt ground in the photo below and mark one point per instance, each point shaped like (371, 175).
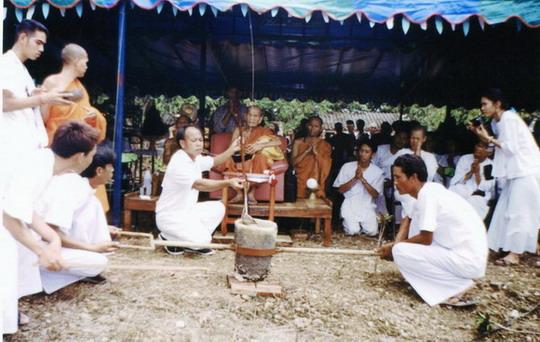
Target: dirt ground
(327, 298)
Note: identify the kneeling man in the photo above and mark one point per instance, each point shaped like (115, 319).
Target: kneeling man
(445, 246)
(178, 214)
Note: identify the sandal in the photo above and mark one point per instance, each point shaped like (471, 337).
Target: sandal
(459, 302)
(504, 262)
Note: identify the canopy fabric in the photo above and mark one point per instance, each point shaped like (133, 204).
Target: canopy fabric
(417, 11)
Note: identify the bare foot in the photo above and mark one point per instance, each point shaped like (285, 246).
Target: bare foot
(251, 199)
(238, 198)
(509, 260)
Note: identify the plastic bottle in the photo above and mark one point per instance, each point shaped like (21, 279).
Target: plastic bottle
(147, 183)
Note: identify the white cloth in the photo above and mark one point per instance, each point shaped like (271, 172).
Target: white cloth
(22, 193)
(8, 285)
(442, 161)
(516, 220)
(86, 264)
(23, 130)
(69, 202)
(384, 159)
(178, 215)
(519, 155)
(358, 208)
(458, 252)
(466, 188)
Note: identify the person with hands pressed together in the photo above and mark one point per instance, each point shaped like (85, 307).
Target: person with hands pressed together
(516, 219)
(442, 248)
(360, 182)
(179, 215)
(312, 158)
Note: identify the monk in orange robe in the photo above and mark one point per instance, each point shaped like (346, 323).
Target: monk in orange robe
(262, 148)
(74, 66)
(312, 158)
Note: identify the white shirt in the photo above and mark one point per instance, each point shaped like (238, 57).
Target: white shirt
(20, 130)
(452, 220)
(373, 175)
(519, 155)
(27, 184)
(464, 166)
(384, 159)
(69, 202)
(428, 158)
(178, 194)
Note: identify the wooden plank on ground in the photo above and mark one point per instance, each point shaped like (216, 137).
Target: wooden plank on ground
(250, 288)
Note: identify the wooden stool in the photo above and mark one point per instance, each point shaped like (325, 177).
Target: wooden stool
(132, 202)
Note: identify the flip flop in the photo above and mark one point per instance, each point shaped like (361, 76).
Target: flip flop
(460, 303)
(503, 262)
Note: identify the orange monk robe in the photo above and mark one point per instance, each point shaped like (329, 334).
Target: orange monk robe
(261, 160)
(317, 167)
(58, 114)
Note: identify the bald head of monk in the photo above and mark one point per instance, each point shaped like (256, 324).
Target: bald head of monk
(75, 57)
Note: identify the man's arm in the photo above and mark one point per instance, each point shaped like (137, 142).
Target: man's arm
(209, 185)
(221, 158)
(69, 242)
(49, 255)
(12, 103)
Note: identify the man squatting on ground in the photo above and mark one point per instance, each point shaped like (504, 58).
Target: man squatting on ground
(442, 248)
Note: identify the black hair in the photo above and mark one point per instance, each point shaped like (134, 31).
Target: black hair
(103, 157)
(349, 122)
(494, 95)
(361, 123)
(181, 132)
(367, 142)
(74, 137)
(411, 164)
(338, 124)
(29, 26)
(316, 118)
(419, 128)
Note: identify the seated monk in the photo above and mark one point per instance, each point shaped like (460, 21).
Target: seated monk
(171, 144)
(261, 147)
(74, 65)
(312, 158)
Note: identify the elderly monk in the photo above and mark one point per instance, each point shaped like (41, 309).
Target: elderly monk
(262, 148)
(74, 59)
(312, 158)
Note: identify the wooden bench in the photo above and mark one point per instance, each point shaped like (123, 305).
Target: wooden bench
(132, 202)
(319, 209)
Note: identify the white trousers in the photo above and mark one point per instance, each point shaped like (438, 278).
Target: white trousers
(436, 273)
(358, 218)
(479, 203)
(86, 264)
(194, 225)
(29, 280)
(516, 220)
(8, 284)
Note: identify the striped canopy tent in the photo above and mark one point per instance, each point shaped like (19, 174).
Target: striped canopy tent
(401, 51)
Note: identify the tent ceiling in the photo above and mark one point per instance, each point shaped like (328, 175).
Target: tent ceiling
(293, 58)
(418, 11)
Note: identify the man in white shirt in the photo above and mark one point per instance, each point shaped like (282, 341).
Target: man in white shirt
(444, 248)
(473, 180)
(23, 192)
(360, 182)
(178, 214)
(70, 206)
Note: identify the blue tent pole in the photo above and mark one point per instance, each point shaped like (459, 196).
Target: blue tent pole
(119, 118)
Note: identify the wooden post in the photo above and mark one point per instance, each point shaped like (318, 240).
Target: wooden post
(225, 199)
(327, 232)
(127, 220)
(272, 202)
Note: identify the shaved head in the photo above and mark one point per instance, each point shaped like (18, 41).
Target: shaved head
(72, 53)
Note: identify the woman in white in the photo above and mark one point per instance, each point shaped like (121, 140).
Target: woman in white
(471, 179)
(444, 249)
(516, 220)
(360, 182)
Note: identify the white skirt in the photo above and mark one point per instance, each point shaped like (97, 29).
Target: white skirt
(516, 220)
